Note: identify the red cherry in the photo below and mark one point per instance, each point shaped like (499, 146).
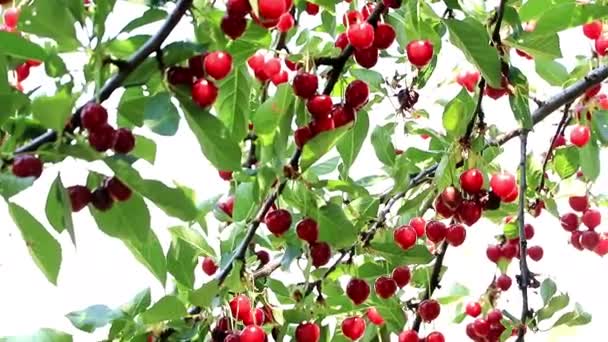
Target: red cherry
(102, 138)
(238, 8)
(473, 309)
(195, 63)
(384, 36)
(178, 76)
(578, 203)
(419, 52)
(305, 85)
(308, 332)
(302, 135)
(593, 90)
(278, 221)
(456, 234)
(523, 54)
(322, 125)
(481, 327)
(592, 218)
(593, 30)
(419, 225)
(225, 175)
(308, 230)
(272, 67)
(101, 200)
(469, 212)
(367, 10)
(575, 240)
(293, 66)
(602, 102)
(356, 94)
(11, 17)
(405, 237)
(232, 338)
(256, 62)
(429, 309)
(435, 231)
(319, 106)
(320, 253)
(590, 239)
(451, 197)
(392, 3)
(471, 181)
(271, 9)
(286, 22)
(227, 205)
(366, 58)
(468, 79)
(26, 165)
(357, 290)
(93, 115)
(385, 287)
(409, 336)
(509, 250)
(117, 189)
(511, 197)
(233, 26)
(602, 247)
(240, 306)
(495, 93)
(535, 253)
(435, 337)
(528, 231)
(503, 183)
(23, 72)
(252, 333)
(209, 266)
(352, 17)
(580, 135)
(559, 141)
(263, 257)
(503, 282)
(494, 316)
(204, 92)
(353, 327)
(493, 253)
(124, 141)
(280, 78)
(218, 64)
(341, 41)
(312, 8)
(442, 209)
(342, 115)
(374, 316)
(264, 22)
(255, 317)
(471, 332)
(401, 275)
(80, 196)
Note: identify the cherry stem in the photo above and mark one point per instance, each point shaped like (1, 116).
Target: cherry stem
(433, 282)
(524, 280)
(560, 130)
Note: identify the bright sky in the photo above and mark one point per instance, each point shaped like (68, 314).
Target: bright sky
(102, 271)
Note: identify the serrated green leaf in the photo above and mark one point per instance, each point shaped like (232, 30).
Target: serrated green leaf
(145, 149)
(546, 47)
(555, 304)
(565, 161)
(139, 303)
(193, 238)
(11, 185)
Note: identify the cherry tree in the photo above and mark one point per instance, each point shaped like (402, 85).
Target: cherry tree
(269, 97)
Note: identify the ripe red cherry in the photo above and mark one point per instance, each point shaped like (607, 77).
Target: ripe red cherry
(124, 141)
(602, 247)
(23, 72)
(494, 316)
(468, 79)
(471, 181)
(312, 8)
(374, 316)
(592, 91)
(240, 306)
(456, 234)
(442, 209)
(509, 250)
(385, 287)
(493, 253)
(233, 26)
(590, 239)
(481, 327)
(601, 45)
(255, 317)
(593, 30)
(473, 309)
(305, 84)
(419, 225)
(278, 221)
(256, 62)
(503, 282)
(435, 231)
(451, 197)
(227, 205)
(409, 336)
(218, 64)
(503, 183)
(419, 52)
(263, 257)
(11, 17)
(353, 327)
(511, 197)
(209, 266)
(429, 309)
(26, 165)
(401, 275)
(495, 93)
(302, 135)
(286, 22)
(384, 36)
(280, 78)
(392, 3)
(352, 17)
(238, 8)
(341, 41)
(367, 58)
(308, 230)
(195, 63)
(469, 212)
(272, 67)
(204, 92)
(471, 332)
(308, 332)
(528, 231)
(319, 106)
(102, 138)
(367, 10)
(178, 76)
(592, 218)
(225, 175)
(101, 199)
(357, 290)
(117, 189)
(320, 253)
(405, 237)
(535, 253)
(252, 333)
(322, 125)
(580, 135)
(93, 115)
(435, 337)
(356, 94)
(342, 115)
(271, 9)
(575, 240)
(80, 196)
(578, 203)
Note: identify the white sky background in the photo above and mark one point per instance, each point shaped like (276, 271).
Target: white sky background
(102, 271)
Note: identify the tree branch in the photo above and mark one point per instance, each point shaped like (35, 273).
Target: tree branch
(125, 69)
(434, 281)
(499, 15)
(478, 113)
(524, 280)
(560, 130)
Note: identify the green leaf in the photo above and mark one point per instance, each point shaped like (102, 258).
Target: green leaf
(145, 149)
(581, 318)
(457, 292)
(555, 304)
(11, 185)
(268, 115)
(160, 115)
(519, 98)
(93, 317)
(335, 228)
(533, 9)
(43, 248)
(232, 103)
(457, 114)
(564, 16)
(244, 201)
(546, 47)
(318, 146)
(59, 209)
(216, 141)
(181, 261)
(53, 112)
(166, 309)
(472, 39)
(373, 79)
(51, 19)
(599, 122)
(131, 106)
(205, 294)
(589, 156)
(148, 17)
(102, 9)
(173, 201)
(256, 37)
(565, 161)
(384, 243)
(42, 335)
(350, 145)
(551, 71)
(547, 290)
(137, 304)
(382, 142)
(15, 45)
(193, 238)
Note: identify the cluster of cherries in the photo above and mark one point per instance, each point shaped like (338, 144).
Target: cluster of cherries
(102, 198)
(591, 218)
(484, 329)
(102, 136)
(252, 319)
(272, 13)
(593, 30)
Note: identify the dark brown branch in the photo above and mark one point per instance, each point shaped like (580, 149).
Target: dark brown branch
(434, 281)
(267, 269)
(524, 279)
(499, 15)
(150, 46)
(559, 131)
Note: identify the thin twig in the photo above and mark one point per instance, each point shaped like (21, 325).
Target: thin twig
(560, 130)
(478, 113)
(434, 281)
(499, 15)
(524, 280)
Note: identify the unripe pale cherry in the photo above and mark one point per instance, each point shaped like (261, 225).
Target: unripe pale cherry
(405, 237)
(360, 35)
(580, 135)
(419, 52)
(593, 30)
(353, 327)
(204, 92)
